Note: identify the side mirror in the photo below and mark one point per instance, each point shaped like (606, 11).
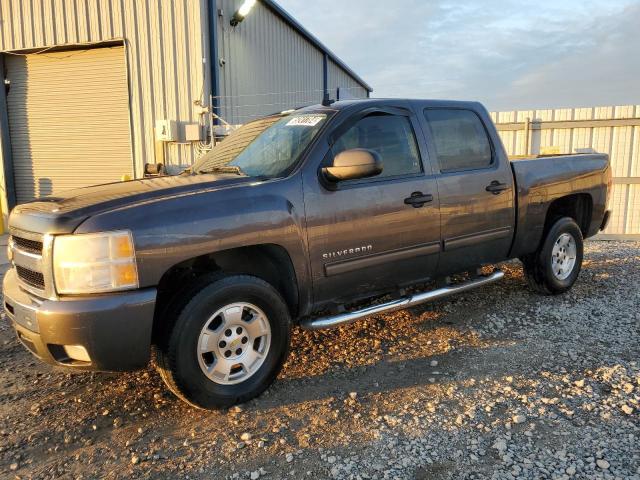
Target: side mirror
(353, 164)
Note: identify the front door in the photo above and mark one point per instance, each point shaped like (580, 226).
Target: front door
(370, 235)
(476, 189)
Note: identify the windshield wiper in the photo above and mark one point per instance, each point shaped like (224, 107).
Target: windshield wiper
(224, 169)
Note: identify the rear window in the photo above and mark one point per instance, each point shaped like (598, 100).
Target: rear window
(460, 139)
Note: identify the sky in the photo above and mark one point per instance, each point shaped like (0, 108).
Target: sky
(507, 54)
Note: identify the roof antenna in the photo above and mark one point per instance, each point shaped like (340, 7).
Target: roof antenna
(326, 101)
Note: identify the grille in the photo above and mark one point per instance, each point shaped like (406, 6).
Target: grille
(32, 246)
(35, 279)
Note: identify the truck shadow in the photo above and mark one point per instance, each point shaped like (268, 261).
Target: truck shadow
(377, 355)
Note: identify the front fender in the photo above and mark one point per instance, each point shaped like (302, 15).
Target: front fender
(169, 231)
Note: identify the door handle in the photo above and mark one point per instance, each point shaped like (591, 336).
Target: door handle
(418, 199)
(496, 187)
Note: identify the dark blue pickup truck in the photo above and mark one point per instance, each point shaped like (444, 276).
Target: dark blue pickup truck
(288, 221)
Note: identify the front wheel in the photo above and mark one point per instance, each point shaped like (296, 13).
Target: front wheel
(228, 343)
(554, 267)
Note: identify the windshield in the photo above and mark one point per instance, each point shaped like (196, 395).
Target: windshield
(269, 147)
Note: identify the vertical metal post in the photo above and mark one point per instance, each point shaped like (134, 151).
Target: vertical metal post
(214, 63)
(325, 79)
(5, 143)
(158, 152)
(527, 135)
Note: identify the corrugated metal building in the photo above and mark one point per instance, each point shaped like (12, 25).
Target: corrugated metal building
(90, 83)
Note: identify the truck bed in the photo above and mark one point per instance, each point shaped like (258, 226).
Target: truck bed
(541, 180)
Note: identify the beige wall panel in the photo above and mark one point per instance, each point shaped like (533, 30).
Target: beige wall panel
(520, 143)
(563, 114)
(601, 140)
(546, 138)
(634, 168)
(562, 139)
(508, 141)
(602, 113)
(544, 115)
(506, 117)
(633, 210)
(621, 149)
(618, 205)
(522, 115)
(583, 114)
(581, 138)
(623, 111)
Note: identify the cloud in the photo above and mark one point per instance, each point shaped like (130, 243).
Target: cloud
(605, 71)
(504, 53)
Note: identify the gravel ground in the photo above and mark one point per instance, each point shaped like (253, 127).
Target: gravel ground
(494, 383)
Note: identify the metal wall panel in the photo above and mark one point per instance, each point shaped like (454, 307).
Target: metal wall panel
(165, 42)
(621, 142)
(267, 65)
(347, 85)
(69, 120)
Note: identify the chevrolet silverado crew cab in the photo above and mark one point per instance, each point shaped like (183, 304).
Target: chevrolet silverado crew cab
(289, 221)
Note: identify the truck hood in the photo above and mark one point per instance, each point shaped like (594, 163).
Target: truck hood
(64, 212)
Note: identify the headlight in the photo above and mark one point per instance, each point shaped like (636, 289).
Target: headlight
(10, 250)
(94, 262)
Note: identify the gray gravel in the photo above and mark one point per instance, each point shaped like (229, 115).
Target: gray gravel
(496, 383)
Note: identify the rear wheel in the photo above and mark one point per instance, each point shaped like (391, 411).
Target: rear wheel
(555, 266)
(228, 343)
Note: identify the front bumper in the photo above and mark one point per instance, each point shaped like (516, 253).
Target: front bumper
(114, 329)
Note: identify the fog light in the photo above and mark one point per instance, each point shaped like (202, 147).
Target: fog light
(77, 352)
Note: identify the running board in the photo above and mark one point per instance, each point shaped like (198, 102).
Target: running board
(399, 304)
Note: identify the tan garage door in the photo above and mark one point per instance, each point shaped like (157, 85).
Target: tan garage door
(68, 120)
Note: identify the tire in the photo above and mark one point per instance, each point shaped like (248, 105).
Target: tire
(555, 266)
(222, 322)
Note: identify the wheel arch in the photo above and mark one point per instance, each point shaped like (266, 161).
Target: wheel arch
(578, 206)
(269, 262)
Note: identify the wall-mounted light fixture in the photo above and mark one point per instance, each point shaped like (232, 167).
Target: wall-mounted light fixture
(242, 12)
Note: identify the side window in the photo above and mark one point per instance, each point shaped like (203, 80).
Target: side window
(460, 139)
(391, 137)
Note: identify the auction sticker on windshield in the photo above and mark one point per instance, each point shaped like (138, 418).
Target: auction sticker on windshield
(305, 120)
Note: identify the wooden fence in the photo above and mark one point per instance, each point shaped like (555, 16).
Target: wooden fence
(614, 130)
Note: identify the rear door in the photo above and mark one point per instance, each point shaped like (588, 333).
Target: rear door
(370, 235)
(475, 184)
